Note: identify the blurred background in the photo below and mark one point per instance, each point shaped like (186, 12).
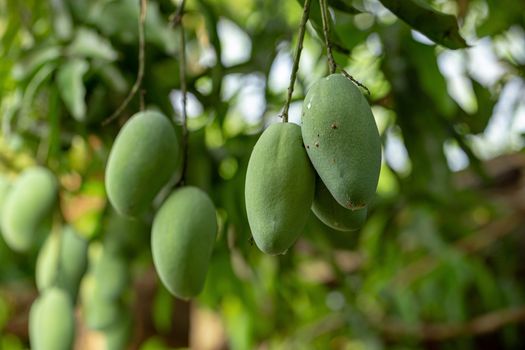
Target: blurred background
(439, 263)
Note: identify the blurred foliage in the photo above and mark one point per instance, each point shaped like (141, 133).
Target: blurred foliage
(438, 250)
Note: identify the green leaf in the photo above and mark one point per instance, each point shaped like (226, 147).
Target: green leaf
(71, 86)
(486, 103)
(344, 6)
(88, 43)
(62, 21)
(478, 121)
(34, 60)
(32, 88)
(437, 26)
(430, 78)
(317, 23)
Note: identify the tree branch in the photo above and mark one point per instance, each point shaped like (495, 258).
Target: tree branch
(140, 73)
(176, 21)
(483, 324)
(297, 58)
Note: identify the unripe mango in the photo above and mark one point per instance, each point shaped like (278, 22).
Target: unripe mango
(51, 321)
(118, 335)
(182, 239)
(62, 262)
(98, 312)
(27, 205)
(142, 160)
(279, 188)
(342, 140)
(111, 275)
(332, 214)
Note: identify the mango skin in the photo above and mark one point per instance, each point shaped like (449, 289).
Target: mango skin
(99, 313)
(182, 239)
(62, 262)
(142, 160)
(29, 202)
(279, 188)
(342, 140)
(51, 321)
(332, 214)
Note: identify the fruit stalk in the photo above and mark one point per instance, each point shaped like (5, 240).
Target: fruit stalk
(297, 58)
(326, 31)
(140, 74)
(182, 75)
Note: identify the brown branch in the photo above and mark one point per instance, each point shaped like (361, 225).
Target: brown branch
(483, 324)
(176, 18)
(357, 82)
(140, 73)
(297, 58)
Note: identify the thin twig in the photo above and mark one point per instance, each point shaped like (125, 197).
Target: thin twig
(176, 20)
(297, 58)
(331, 61)
(482, 324)
(357, 82)
(326, 31)
(140, 73)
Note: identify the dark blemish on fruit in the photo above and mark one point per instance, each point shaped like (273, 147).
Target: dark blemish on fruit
(333, 126)
(317, 144)
(307, 146)
(317, 135)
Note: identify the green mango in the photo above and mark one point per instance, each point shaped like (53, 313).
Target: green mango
(111, 275)
(279, 188)
(332, 214)
(52, 321)
(28, 204)
(182, 240)
(62, 262)
(98, 311)
(342, 141)
(118, 335)
(142, 160)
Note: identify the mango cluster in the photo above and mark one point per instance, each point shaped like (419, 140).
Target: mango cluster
(26, 211)
(143, 161)
(330, 165)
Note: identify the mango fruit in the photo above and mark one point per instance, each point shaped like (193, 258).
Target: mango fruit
(118, 335)
(111, 275)
(182, 239)
(342, 140)
(142, 160)
(29, 202)
(51, 321)
(62, 261)
(279, 188)
(332, 214)
(98, 313)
